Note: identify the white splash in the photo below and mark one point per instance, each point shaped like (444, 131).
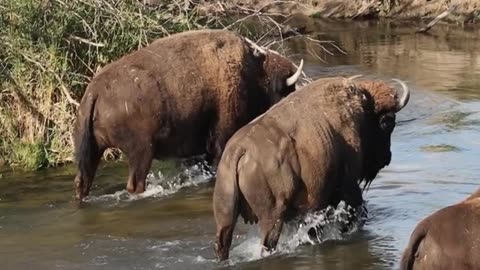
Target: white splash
(159, 185)
(329, 224)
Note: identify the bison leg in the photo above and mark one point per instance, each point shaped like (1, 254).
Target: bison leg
(225, 209)
(139, 162)
(352, 195)
(224, 236)
(271, 227)
(84, 178)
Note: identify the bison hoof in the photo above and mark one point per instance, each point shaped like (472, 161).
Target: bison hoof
(221, 254)
(79, 195)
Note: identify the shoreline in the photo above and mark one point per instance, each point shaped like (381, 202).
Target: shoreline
(465, 11)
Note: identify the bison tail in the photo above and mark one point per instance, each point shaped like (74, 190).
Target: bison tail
(226, 193)
(409, 254)
(226, 198)
(86, 148)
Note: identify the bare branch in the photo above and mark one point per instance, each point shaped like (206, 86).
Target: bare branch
(437, 19)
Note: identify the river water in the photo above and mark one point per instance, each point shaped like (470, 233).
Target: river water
(434, 146)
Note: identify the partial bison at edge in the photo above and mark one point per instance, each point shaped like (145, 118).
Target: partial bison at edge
(181, 96)
(447, 239)
(310, 150)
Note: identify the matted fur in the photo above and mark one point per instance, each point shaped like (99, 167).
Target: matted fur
(384, 95)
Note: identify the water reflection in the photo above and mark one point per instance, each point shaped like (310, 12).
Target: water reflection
(447, 59)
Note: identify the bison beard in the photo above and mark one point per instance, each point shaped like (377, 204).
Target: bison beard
(181, 96)
(308, 151)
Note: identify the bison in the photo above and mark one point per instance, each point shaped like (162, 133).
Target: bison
(181, 96)
(310, 150)
(447, 239)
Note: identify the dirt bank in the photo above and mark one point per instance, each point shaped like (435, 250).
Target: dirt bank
(466, 11)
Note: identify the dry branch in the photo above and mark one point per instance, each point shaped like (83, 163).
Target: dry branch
(436, 20)
(364, 8)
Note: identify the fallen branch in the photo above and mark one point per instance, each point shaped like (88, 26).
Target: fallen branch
(364, 8)
(264, 49)
(436, 20)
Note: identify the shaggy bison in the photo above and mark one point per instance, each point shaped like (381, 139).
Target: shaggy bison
(181, 96)
(447, 239)
(310, 150)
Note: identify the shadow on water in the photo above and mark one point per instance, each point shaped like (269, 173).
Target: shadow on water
(435, 147)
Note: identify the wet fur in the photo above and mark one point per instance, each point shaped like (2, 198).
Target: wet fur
(181, 96)
(308, 151)
(447, 239)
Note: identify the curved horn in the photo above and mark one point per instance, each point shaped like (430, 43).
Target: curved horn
(294, 78)
(351, 78)
(402, 102)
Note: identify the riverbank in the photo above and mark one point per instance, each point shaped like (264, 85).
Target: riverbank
(466, 11)
(49, 51)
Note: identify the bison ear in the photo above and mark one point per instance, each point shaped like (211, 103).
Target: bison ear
(387, 122)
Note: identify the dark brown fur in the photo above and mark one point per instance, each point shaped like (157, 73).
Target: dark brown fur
(307, 152)
(447, 239)
(181, 96)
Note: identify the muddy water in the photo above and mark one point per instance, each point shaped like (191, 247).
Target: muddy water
(435, 148)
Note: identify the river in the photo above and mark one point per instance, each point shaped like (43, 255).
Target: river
(435, 148)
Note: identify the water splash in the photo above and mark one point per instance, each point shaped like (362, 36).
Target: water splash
(158, 185)
(331, 223)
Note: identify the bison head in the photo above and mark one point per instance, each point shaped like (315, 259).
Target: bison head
(279, 76)
(386, 101)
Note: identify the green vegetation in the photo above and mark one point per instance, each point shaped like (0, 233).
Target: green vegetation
(49, 49)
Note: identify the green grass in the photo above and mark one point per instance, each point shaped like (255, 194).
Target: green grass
(49, 50)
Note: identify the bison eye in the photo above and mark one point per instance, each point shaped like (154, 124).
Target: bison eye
(387, 122)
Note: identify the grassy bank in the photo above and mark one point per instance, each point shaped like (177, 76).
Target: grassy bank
(49, 50)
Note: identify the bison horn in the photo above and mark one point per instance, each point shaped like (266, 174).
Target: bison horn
(294, 78)
(402, 102)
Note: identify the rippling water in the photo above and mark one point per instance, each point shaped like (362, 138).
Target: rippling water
(434, 145)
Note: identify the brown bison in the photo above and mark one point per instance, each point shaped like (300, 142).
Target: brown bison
(308, 151)
(446, 240)
(181, 96)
